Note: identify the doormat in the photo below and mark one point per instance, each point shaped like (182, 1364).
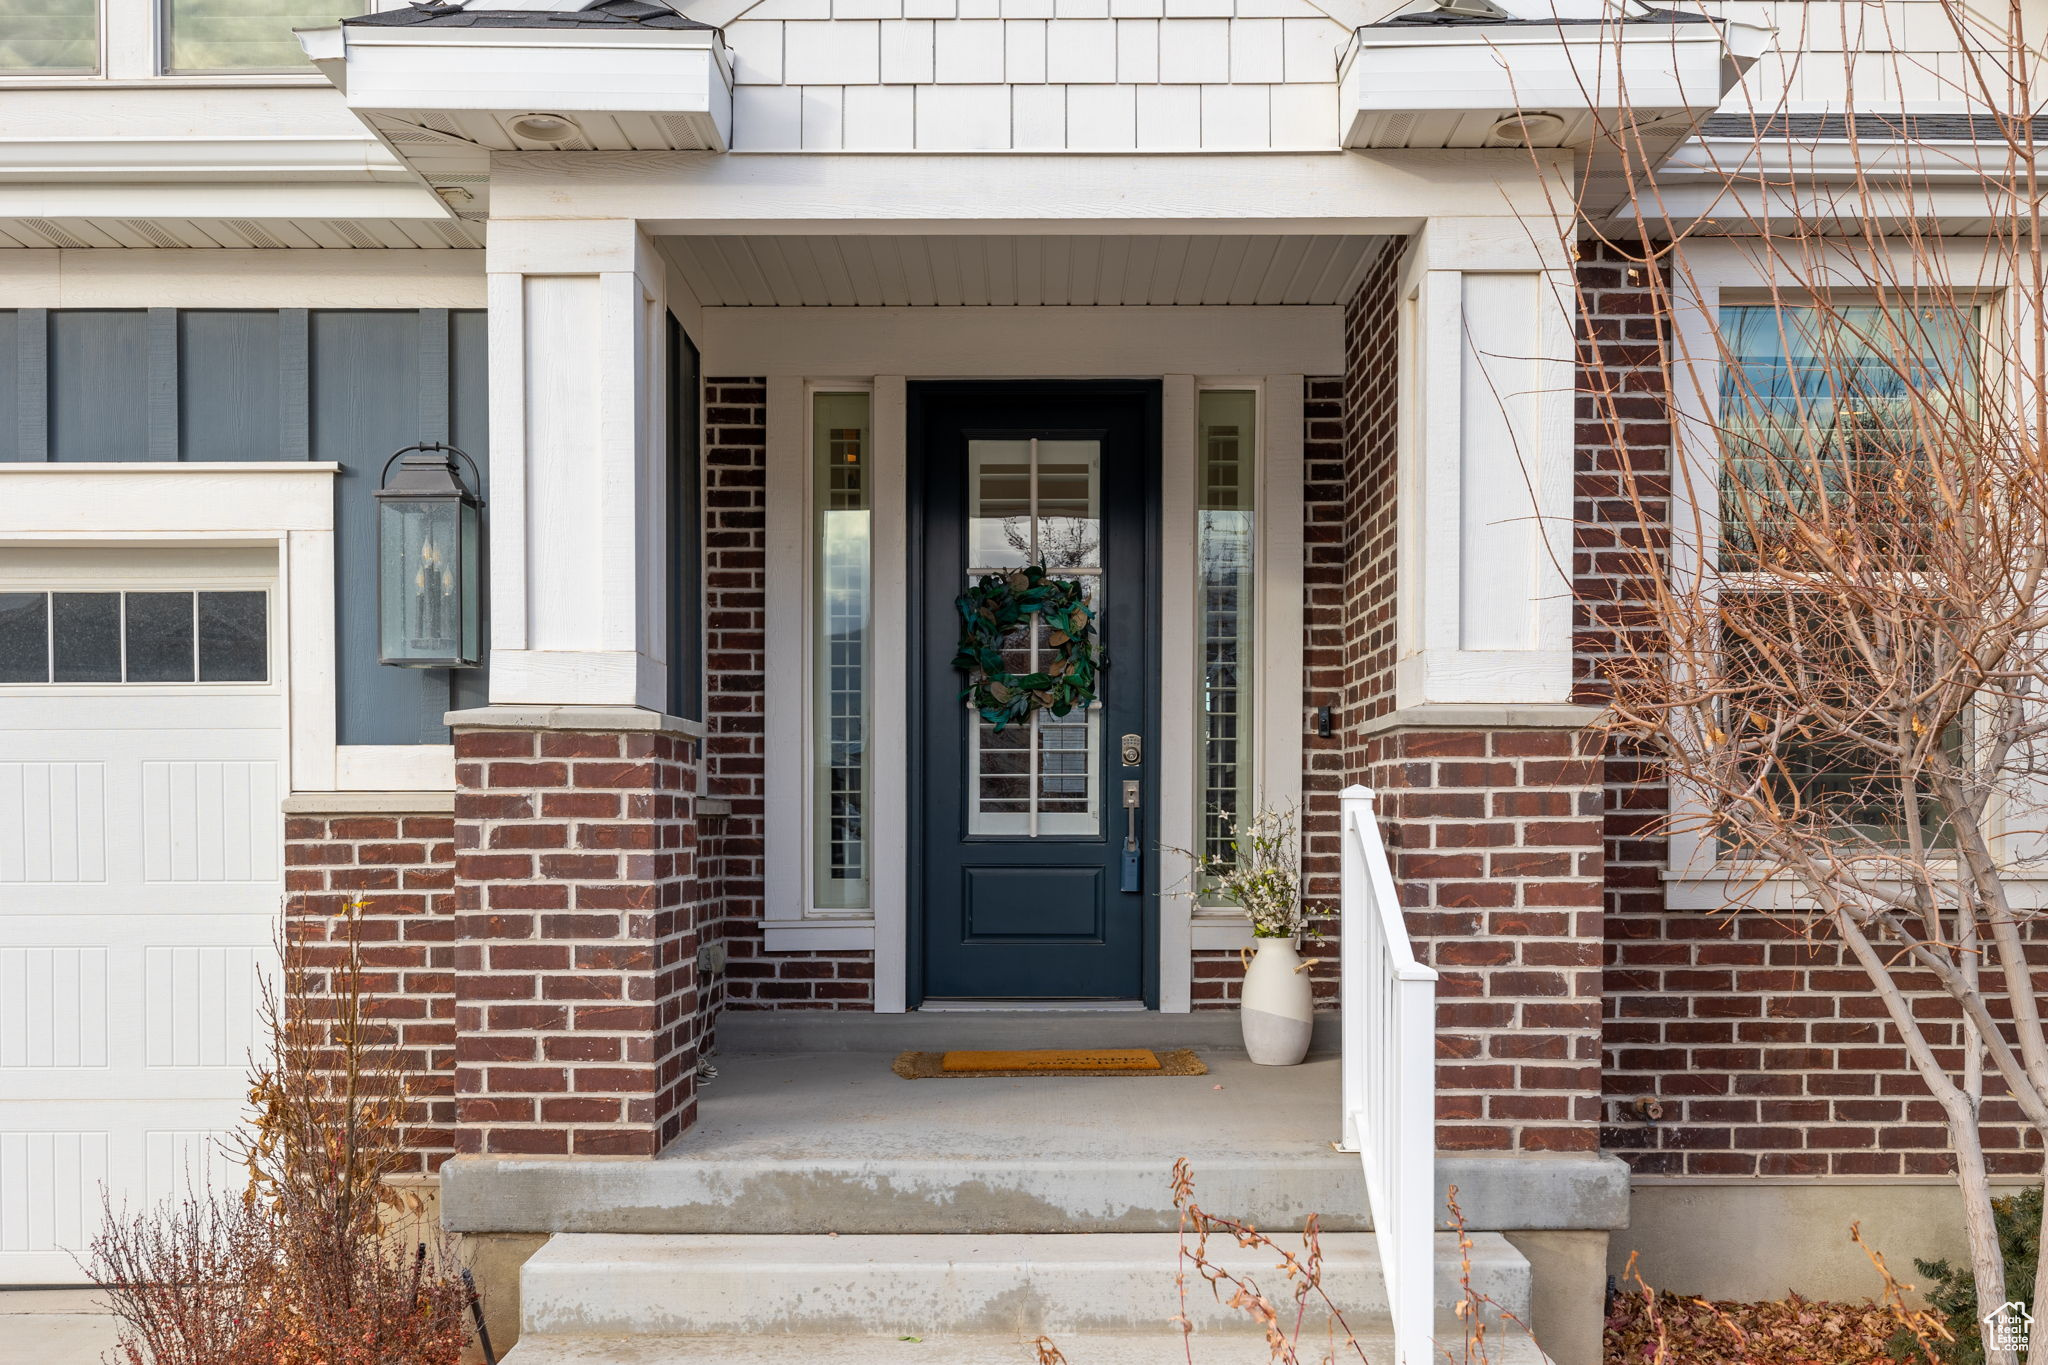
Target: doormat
(1114, 1061)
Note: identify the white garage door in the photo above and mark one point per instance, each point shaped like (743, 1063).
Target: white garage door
(141, 769)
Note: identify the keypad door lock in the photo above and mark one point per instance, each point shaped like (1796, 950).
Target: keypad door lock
(1133, 747)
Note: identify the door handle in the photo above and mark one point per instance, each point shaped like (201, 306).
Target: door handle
(1134, 816)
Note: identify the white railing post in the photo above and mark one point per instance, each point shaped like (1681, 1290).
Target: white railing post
(1389, 1074)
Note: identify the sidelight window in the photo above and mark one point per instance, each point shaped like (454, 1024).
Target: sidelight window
(842, 493)
(1226, 462)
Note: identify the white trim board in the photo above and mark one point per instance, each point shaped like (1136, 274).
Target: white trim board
(1038, 342)
(241, 279)
(1734, 272)
(287, 507)
(1377, 193)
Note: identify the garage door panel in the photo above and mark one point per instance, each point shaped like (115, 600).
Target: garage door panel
(43, 716)
(53, 822)
(141, 853)
(53, 1181)
(53, 1007)
(200, 1006)
(210, 821)
(50, 1183)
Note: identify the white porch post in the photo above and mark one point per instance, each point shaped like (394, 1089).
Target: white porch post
(1486, 466)
(577, 464)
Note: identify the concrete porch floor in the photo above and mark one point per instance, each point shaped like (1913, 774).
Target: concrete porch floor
(807, 1130)
(808, 1088)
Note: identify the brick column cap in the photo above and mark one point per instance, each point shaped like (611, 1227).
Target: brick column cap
(609, 718)
(1546, 715)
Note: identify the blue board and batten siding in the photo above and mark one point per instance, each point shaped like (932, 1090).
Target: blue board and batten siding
(345, 385)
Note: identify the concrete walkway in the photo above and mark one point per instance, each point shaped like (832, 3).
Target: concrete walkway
(53, 1327)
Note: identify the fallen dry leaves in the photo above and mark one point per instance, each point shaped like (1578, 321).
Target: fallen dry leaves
(1657, 1328)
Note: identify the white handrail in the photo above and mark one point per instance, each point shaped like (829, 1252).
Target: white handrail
(1389, 1070)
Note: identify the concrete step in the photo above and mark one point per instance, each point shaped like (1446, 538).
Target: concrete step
(1016, 1286)
(1159, 1347)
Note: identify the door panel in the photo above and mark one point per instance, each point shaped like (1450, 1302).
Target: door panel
(1021, 833)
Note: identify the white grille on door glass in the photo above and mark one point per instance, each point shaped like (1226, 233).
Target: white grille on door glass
(1036, 502)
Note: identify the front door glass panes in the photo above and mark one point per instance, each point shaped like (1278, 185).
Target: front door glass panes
(1036, 502)
(245, 35)
(49, 37)
(134, 637)
(842, 497)
(1223, 564)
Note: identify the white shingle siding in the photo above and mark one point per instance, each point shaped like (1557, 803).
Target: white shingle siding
(1034, 75)
(1902, 50)
(907, 46)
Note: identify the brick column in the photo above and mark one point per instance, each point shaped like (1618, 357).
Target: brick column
(1495, 838)
(577, 908)
(392, 852)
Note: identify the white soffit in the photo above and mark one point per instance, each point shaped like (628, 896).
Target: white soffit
(239, 233)
(1024, 271)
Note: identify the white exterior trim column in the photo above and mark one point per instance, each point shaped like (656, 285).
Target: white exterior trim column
(578, 460)
(1485, 495)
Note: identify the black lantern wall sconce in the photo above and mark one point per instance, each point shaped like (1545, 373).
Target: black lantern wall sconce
(429, 560)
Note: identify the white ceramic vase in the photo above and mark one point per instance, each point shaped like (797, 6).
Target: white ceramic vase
(1277, 1006)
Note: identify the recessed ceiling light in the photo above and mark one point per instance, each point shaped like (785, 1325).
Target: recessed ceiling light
(544, 127)
(1526, 130)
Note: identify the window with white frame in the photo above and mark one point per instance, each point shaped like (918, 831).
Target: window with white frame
(192, 37)
(1225, 475)
(243, 35)
(1818, 408)
(842, 537)
(54, 37)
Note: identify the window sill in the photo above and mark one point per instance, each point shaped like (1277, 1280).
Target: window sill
(808, 936)
(1711, 890)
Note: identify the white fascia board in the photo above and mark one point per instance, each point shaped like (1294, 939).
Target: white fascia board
(1716, 160)
(265, 158)
(520, 69)
(1536, 67)
(936, 342)
(158, 499)
(1380, 193)
(327, 49)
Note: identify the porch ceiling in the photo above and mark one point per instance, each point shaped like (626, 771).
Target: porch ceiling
(971, 270)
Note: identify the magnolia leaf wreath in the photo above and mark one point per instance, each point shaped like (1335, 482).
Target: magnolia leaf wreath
(997, 606)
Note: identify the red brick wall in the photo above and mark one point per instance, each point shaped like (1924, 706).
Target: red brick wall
(402, 868)
(575, 982)
(1768, 1051)
(736, 617)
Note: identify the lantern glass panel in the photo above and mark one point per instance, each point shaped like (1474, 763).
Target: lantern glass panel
(421, 573)
(472, 583)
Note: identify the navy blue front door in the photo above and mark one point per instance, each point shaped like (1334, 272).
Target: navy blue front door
(1023, 887)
